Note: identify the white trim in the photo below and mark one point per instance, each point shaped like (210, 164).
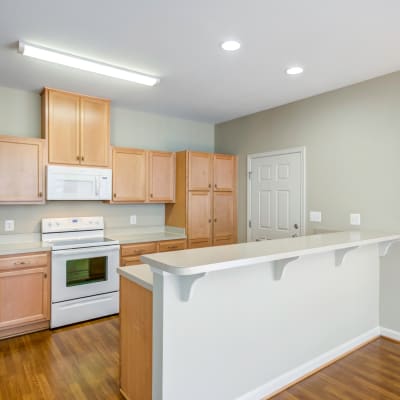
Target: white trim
(390, 333)
(305, 369)
(302, 151)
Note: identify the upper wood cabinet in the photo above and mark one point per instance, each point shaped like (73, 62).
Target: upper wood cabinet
(224, 168)
(21, 170)
(141, 176)
(161, 176)
(77, 128)
(129, 175)
(200, 171)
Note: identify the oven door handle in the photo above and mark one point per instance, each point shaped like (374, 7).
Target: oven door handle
(85, 250)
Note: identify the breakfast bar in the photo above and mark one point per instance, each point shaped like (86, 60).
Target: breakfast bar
(244, 321)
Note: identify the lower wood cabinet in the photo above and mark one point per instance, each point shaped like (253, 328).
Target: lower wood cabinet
(24, 293)
(130, 253)
(136, 336)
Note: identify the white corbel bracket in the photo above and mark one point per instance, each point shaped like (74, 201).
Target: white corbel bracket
(278, 266)
(385, 246)
(341, 253)
(186, 283)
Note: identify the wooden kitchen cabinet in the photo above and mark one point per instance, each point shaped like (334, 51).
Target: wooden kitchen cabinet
(206, 200)
(22, 170)
(161, 177)
(129, 175)
(77, 128)
(224, 222)
(200, 220)
(199, 171)
(24, 293)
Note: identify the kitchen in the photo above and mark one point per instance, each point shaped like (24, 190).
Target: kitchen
(354, 124)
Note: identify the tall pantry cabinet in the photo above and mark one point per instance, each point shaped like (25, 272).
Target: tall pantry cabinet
(205, 198)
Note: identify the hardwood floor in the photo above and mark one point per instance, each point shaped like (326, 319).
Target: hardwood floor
(371, 373)
(76, 362)
(82, 362)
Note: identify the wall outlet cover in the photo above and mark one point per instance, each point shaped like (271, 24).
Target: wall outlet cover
(132, 219)
(355, 219)
(315, 216)
(9, 225)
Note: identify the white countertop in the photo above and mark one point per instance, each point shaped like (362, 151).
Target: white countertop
(140, 274)
(22, 243)
(145, 234)
(196, 261)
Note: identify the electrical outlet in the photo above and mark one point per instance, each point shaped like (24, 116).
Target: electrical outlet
(132, 219)
(9, 225)
(315, 216)
(355, 219)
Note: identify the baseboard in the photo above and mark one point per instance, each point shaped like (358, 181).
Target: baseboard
(390, 334)
(303, 371)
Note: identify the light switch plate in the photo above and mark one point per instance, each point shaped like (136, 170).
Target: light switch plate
(132, 219)
(355, 219)
(315, 216)
(9, 225)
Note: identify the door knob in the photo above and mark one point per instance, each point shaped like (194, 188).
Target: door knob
(295, 226)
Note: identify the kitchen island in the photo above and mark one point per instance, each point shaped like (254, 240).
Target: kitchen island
(243, 321)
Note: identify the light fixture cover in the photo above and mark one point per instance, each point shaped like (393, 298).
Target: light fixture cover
(296, 70)
(230, 45)
(73, 61)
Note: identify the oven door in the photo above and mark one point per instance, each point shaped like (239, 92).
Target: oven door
(83, 272)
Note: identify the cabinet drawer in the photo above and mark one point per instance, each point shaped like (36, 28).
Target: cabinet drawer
(138, 249)
(23, 261)
(196, 243)
(172, 245)
(228, 239)
(126, 261)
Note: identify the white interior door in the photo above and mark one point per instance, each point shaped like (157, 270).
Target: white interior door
(275, 196)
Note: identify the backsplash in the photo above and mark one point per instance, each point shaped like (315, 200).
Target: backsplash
(28, 217)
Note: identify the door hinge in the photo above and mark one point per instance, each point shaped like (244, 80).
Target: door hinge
(249, 223)
(250, 172)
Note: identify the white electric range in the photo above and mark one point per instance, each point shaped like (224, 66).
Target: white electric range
(84, 279)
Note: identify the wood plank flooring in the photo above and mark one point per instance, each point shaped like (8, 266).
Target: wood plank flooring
(82, 362)
(76, 362)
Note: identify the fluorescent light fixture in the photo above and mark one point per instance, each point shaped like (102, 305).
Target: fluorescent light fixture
(72, 61)
(231, 45)
(294, 70)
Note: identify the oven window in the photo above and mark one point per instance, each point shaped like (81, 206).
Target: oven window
(87, 270)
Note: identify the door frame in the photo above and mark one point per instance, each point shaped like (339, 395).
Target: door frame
(302, 152)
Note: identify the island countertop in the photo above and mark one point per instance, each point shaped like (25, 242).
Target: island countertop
(197, 261)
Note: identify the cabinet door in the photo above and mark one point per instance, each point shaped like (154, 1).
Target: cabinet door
(224, 167)
(21, 170)
(200, 171)
(24, 296)
(199, 218)
(129, 175)
(95, 132)
(63, 127)
(224, 229)
(161, 177)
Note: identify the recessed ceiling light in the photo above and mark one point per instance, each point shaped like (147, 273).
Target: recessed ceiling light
(231, 45)
(72, 61)
(294, 70)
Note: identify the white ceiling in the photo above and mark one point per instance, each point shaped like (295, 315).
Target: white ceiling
(338, 42)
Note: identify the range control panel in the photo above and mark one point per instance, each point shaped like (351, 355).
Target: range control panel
(72, 224)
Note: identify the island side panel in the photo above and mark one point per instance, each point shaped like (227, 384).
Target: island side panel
(136, 329)
(241, 330)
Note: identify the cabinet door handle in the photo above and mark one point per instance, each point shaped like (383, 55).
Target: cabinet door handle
(215, 219)
(151, 195)
(78, 158)
(172, 247)
(40, 194)
(115, 194)
(209, 185)
(22, 262)
(209, 221)
(215, 186)
(45, 275)
(83, 158)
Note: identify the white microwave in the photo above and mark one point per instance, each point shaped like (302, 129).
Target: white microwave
(78, 183)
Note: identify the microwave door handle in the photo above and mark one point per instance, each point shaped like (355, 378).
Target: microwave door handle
(97, 185)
